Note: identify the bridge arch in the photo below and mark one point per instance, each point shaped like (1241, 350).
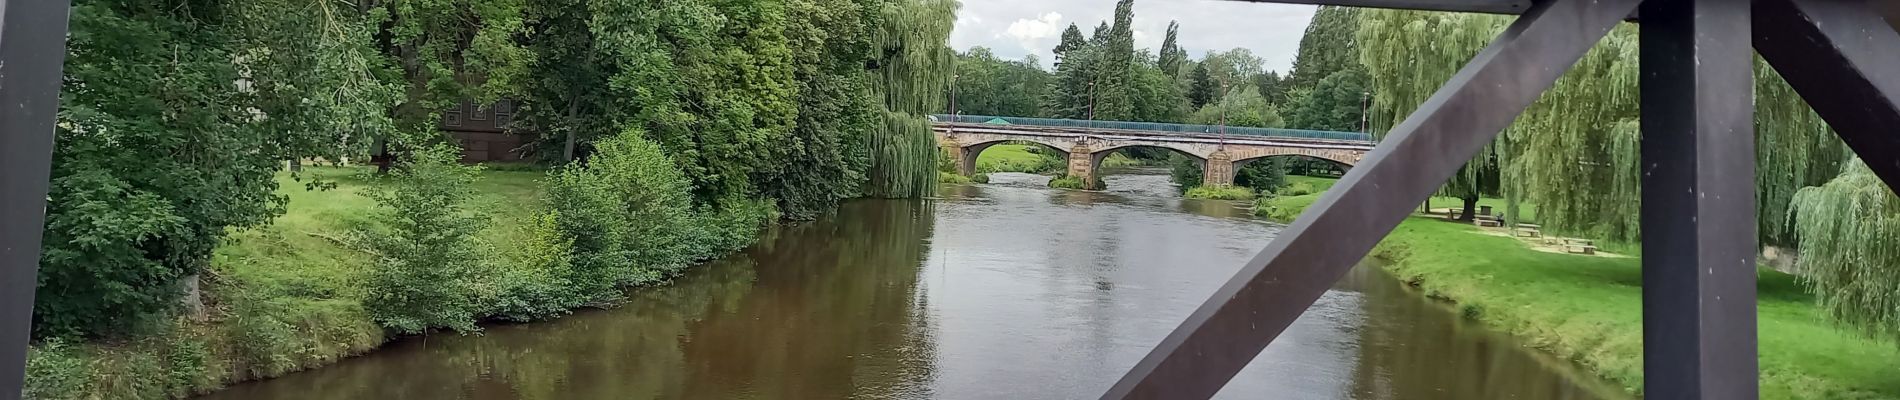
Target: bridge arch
(1344, 158)
(1191, 150)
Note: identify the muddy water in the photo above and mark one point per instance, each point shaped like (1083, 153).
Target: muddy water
(1000, 291)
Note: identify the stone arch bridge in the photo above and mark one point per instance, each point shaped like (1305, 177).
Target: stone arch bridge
(1218, 155)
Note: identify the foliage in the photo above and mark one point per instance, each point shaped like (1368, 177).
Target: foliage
(915, 68)
(1171, 56)
(155, 160)
(1328, 47)
(1071, 40)
(1011, 157)
(951, 178)
(1220, 193)
(626, 216)
(987, 85)
(426, 250)
(1273, 87)
(1849, 231)
(1243, 107)
(1066, 181)
(1298, 189)
(1201, 87)
(1266, 175)
(1336, 103)
(55, 370)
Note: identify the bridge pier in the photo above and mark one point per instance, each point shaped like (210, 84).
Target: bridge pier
(1082, 165)
(1218, 170)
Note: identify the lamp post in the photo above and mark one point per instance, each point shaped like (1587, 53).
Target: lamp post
(1223, 115)
(1365, 101)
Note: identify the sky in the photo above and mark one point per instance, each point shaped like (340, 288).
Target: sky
(1015, 28)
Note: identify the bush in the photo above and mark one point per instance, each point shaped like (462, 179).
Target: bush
(54, 370)
(1066, 182)
(426, 247)
(1220, 193)
(980, 178)
(627, 218)
(1298, 189)
(531, 281)
(951, 177)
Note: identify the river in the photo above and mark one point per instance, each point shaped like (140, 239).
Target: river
(997, 291)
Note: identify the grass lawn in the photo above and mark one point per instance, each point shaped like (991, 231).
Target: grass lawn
(1011, 157)
(1589, 310)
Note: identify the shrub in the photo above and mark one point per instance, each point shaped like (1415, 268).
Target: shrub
(531, 280)
(628, 218)
(1066, 182)
(1298, 189)
(426, 247)
(950, 177)
(54, 370)
(1220, 193)
(980, 178)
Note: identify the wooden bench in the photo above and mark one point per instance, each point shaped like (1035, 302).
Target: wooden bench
(1487, 222)
(1529, 232)
(1575, 241)
(1583, 249)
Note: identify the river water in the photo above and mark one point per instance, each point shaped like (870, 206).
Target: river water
(998, 291)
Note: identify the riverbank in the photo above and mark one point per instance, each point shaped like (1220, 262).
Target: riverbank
(1587, 309)
(280, 298)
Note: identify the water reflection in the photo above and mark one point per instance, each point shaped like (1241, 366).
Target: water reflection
(993, 291)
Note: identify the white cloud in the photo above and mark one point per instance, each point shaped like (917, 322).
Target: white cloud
(1046, 26)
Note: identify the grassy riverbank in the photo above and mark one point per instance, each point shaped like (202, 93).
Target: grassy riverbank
(280, 298)
(1588, 309)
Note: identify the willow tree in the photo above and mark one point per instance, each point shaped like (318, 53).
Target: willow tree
(911, 77)
(1409, 55)
(1574, 152)
(1849, 232)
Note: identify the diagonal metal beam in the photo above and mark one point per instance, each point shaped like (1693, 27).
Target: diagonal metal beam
(32, 50)
(1698, 210)
(1844, 59)
(1273, 289)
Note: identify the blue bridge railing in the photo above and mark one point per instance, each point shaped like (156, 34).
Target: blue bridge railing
(1153, 126)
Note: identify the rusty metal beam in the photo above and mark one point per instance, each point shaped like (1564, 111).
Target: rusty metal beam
(1844, 59)
(1276, 286)
(1698, 209)
(32, 51)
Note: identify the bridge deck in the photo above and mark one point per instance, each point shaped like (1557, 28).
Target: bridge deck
(1149, 128)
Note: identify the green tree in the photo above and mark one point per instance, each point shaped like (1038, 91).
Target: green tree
(425, 245)
(1172, 56)
(1071, 40)
(1272, 86)
(1848, 229)
(1201, 89)
(157, 158)
(1336, 104)
(987, 85)
(1242, 107)
(1328, 46)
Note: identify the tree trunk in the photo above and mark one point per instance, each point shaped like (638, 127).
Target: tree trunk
(380, 155)
(573, 109)
(1471, 208)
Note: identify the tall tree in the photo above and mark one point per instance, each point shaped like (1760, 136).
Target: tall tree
(1271, 86)
(1071, 40)
(1201, 87)
(1337, 103)
(1114, 75)
(986, 85)
(1172, 56)
(1328, 46)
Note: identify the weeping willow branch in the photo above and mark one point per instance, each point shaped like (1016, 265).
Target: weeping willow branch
(1849, 232)
(912, 76)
